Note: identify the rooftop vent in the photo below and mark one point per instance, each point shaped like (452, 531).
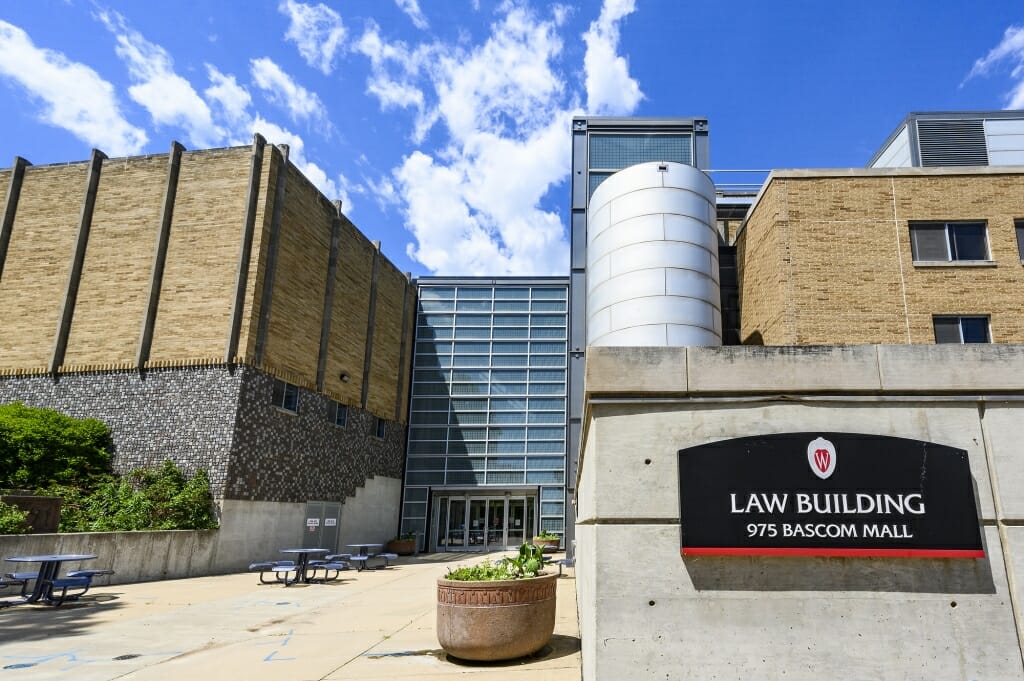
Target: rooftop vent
(952, 142)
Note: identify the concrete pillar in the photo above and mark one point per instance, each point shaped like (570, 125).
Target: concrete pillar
(325, 319)
(11, 207)
(368, 354)
(245, 252)
(272, 246)
(408, 297)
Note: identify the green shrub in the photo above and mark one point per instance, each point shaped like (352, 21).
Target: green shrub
(527, 563)
(13, 520)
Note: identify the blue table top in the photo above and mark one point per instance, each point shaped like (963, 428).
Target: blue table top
(50, 558)
(304, 550)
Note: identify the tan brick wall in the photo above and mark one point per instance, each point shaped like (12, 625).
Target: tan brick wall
(846, 241)
(257, 262)
(113, 290)
(38, 260)
(300, 278)
(387, 341)
(349, 314)
(202, 256)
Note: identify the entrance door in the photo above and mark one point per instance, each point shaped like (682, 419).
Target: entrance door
(496, 514)
(516, 522)
(477, 523)
(484, 523)
(455, 532)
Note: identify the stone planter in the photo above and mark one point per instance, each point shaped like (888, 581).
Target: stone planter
(498, 620)
(548, 545)
(403, 547)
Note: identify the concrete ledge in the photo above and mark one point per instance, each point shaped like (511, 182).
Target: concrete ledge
(738, 368)
(959, 368)
(625, 370)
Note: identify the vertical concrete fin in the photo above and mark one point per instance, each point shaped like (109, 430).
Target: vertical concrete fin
(245, 251)
(92, 183)
(11, 207)
(160, 255)
(272, 246)
(403, 362)
(368, 354)
(325, 321)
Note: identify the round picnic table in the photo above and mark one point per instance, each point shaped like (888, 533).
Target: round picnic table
(49, 567)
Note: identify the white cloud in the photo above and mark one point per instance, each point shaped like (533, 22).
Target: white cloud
(412, 8)
(74, 96)
(231, 99)
(610, 89)
(1010, 49)
(169, 98)
(317, 30)
(280, 89)
(394, 69)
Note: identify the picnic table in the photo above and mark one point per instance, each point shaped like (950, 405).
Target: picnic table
(361, 559)
(302, 572)
(45, 580)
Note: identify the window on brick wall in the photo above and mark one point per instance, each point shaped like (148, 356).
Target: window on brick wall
(338, 414)
(948, 241)
(379, 428)
(1019, 226)
(957, 329)
(286, 396)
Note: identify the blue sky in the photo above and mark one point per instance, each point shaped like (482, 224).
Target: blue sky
(443, 125)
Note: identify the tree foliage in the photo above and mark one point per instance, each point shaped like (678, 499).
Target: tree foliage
(13, 519)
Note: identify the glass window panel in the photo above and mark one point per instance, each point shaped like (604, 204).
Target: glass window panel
(433, 333)
(414, 510)
(507, 403)
(548, 348)
(427, 433)
(424, 463)
(537, 463)
(509, 332)
(479, 375)
(594, 180)
(548, 306)
(414, 526)
(470, 361)
(426, 447)
(552, 525)
(552, 508)
(974, 329)
(967, 241)
(508, 388)
(548, 360)
(552, 493)
(437, 305)
(473, 320)
(511, 347)
(547, 320)
(547, 388)
(509, 360)
(506, 447)
(511, 320)
(506, 418)
(416, 493)
(469, 388)
(473, 418)
(436, 319)
(511, 293)
(621, 150)
(434, 348)
(508, 433)
(541, 477)
(432, 376)
(436, 293)
(545, 447)
(469, 405)
(471, 333)
(471, 463)
(504, 478)
(511, 305)
(439, 361)
(550, 293)
(472, 348)
(547, 433)
(430, 388)
(505, 463)
(554, 417)
(473, 306)
(425, 478)
(466, 447)
(541, 375)
(419, 418)
(466, 292)
(547, 332)
(430, 404)
(1019, 226)
(456, 434)
(465, 478)
(928, 242)
(508, 375)
(947, 329)
(546, 403)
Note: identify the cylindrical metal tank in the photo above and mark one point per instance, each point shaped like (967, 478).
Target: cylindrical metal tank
(652, 259)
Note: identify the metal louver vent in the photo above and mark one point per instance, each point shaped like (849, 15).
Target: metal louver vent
(952, 143)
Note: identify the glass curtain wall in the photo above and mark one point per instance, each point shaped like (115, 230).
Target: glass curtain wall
(488, 405)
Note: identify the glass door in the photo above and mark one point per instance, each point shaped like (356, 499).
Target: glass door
(455, 531)
(496, 524)
(516, 522)
(477, 523)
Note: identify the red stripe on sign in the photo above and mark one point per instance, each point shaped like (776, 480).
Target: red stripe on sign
(845, 553)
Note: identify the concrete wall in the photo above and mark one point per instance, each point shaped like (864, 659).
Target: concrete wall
(825, 256)
(659, 616)
(372, 514)
(249, 532)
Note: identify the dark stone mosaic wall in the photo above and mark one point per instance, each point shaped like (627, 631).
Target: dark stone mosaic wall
(223, 421)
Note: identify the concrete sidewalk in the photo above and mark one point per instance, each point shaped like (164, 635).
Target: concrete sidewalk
(376, 624)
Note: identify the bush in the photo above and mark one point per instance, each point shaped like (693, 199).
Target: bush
(13, 519)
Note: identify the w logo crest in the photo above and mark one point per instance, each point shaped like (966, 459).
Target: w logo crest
(821, 454)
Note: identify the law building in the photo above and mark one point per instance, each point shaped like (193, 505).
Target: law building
(777, 425)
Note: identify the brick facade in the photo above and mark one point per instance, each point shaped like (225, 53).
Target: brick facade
(825, 256)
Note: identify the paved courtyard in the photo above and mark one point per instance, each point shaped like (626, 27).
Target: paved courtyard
(376, 624)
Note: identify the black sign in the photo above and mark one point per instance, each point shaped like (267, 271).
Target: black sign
(827, 494)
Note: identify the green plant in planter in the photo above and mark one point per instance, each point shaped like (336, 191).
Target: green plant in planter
(405, 536)
(544, 534)
(527, 563)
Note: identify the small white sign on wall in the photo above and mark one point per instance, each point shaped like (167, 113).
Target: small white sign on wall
(330, 522)
(312, 522)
